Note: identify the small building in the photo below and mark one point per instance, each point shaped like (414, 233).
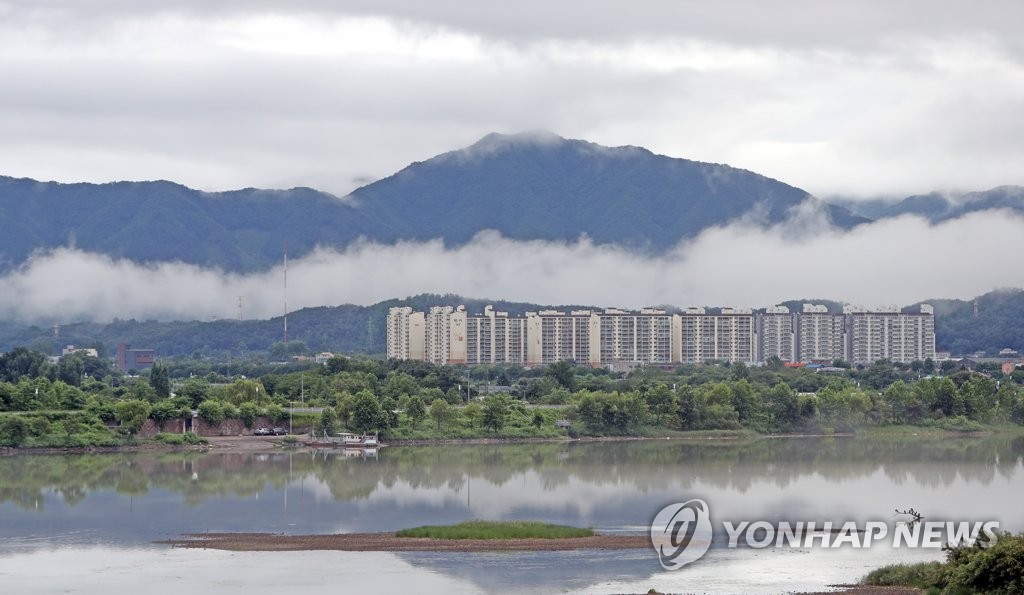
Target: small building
(129, 358)
(86, 351)
(323, 357)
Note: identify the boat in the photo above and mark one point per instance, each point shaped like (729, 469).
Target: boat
(344, 440)
(359, 440)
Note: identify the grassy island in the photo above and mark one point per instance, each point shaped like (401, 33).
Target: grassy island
(497, 530)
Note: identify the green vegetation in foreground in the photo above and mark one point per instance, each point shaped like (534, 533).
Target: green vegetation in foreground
(968, 569)
(190, 438)
(496, 530)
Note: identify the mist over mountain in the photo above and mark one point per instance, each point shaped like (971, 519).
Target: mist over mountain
(937, 207)
(525, 186)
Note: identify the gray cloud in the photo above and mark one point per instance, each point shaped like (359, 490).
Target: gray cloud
(898, 261)
(854, 98)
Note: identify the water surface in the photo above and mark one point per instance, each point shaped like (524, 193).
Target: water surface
(97, 515)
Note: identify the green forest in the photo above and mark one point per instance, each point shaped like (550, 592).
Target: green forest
(83, 402)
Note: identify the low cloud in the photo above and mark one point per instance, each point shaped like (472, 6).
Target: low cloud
(897, 261)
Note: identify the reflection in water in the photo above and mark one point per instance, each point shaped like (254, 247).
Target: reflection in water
(127, 500)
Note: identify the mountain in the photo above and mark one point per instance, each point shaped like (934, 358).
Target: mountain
(542, 186)
(526, 186)
(243, 230)
(998, 323)
(361, 329)
(938, 207)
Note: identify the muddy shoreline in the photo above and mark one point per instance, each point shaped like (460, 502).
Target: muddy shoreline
(389, 542)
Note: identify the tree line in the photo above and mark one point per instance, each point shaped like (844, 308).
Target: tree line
(74, 402)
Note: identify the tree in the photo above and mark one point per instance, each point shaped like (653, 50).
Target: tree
(195, 390)
(441, 412)
(474, 414)
(165, 410)
(328, 423)
(211, 411)
(367, 414)
(416, 411)
(495, 411)
(132, 414)
(160, 380)
(246, 390)
(21, 362)
(71, 369)
(661, 402)
(775, 363)
(564, 373)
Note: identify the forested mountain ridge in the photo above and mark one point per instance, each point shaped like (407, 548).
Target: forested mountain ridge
(937, 207)
(527, 186)
(361, 329)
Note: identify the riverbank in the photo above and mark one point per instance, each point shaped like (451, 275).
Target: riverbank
(390, 542)
(249, 443)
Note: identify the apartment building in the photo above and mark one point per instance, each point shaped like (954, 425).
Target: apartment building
(727, 336)
(820, 334)
(630, 337)
(622, 338)
(890, 334)
(490, 338)
(405, 334)
(442, 325)
(776, 334)
(553, 336)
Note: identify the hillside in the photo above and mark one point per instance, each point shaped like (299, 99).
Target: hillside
(525, 186)
(360, 329)
(541, 186)
(938, 207)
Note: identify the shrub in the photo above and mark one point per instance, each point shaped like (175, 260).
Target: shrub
(247, 412)
(211, 411)
(13, 430)
(902, 575)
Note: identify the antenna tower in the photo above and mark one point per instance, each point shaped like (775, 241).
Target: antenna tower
(240, 307)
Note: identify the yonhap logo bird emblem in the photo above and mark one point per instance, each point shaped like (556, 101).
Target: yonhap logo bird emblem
(681, 533)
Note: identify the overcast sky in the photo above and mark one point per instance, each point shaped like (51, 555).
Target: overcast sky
(860, 98)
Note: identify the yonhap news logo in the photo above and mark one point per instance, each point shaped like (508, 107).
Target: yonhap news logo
(681, 533)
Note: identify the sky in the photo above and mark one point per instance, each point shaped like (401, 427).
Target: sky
(862, 99)
(859, 100)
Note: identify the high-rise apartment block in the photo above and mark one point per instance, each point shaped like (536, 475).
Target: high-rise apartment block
(890, 334)
(405, 334)
(820, 334)
(776, 334)
(727, 336)
(614, 337)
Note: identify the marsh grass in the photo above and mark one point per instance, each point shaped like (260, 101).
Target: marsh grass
(497, 530)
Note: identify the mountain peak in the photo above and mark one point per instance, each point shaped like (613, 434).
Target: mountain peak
(528, 137)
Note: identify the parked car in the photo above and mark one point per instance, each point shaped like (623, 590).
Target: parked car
(279, 431)
(261, 432)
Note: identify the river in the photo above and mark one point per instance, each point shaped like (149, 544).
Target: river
(87, 523)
